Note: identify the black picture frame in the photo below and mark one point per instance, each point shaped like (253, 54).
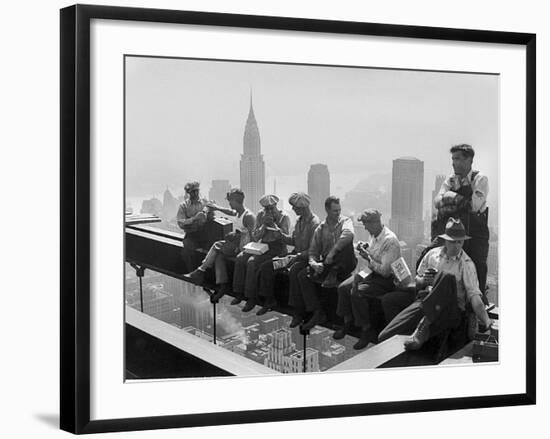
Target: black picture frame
(75, 216)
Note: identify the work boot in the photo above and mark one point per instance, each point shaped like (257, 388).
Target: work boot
(249, 305)
(296, 320)
(222, 290)
(318, 318)
(331, 281)
(420, 335)
(340, 333)
(367, 336)
(237, 299)
(196, 276)
(266, 308)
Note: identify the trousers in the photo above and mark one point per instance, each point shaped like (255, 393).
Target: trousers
(305, 290)
(245, 276)
(359, 304)
(191, 242)
(439, 305)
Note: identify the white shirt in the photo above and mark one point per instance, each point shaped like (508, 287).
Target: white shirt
(384, 249)
(480, 188)
(461, 266)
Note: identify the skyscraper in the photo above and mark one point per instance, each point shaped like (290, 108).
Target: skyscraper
(439, 179)
(252, 162)
(406, 203)
(218, 192)
(318, 187)
(279, 350)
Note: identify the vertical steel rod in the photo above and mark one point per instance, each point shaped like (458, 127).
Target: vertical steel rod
(214, 319)
(305, 350)
(140, 291)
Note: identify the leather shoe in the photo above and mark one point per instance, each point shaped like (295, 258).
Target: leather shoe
(249, 305)
(196, 276)
(367, 336)
(296, 320)
(318, 318)
(266, 308)
(236, 300)
(341, 332)
(420, 335)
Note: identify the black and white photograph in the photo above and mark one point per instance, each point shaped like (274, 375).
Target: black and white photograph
(277, 218)
(297, 218)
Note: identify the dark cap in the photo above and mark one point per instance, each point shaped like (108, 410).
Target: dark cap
(454, 231)
(191, 186)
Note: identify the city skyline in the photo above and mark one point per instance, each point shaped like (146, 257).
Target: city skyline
(202, 106)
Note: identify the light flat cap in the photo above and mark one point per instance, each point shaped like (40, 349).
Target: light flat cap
(269, 200)
(370, 215)
(299, 199)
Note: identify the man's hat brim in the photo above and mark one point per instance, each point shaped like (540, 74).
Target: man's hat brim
(455, 238)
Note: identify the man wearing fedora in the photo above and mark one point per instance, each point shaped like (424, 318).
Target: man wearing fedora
(191, 218)
(356, 293)
(463, 195)
(447, 284)
(271, 224)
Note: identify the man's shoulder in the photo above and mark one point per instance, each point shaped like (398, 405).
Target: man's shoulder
(478, 176)
(436, 251)
(466, 258)
(390, 235)
(315, 220)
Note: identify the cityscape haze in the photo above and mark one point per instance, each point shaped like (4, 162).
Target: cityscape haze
(375, 138)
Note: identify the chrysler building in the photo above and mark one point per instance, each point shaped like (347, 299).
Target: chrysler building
(252, 163)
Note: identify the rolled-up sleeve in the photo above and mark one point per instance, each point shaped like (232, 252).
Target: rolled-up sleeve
(445, 187)
(315, 247)
(480, 191)
(469, 277)
(390, 253)
(346, 236)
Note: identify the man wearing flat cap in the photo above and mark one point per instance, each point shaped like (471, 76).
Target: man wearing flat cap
(463, 195)
(448, 288)
(356, 293)
(233, 243)
(191, 218)
(271, 223)
(300, 238)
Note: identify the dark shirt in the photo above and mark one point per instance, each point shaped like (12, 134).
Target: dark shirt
(303, 233)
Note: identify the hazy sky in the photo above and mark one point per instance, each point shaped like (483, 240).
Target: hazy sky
(185, 121)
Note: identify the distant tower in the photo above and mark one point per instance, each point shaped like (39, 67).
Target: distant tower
(218, 192)
(406, 203)
(252, 162)
(439, 179)
(318, 187)
(279, 350)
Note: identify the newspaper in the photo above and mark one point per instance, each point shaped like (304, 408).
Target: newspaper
(283, 261)
(401, 270)
(256, 248)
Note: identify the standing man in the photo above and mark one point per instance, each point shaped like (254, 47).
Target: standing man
(271, 224)
(355, 293)
(243, 225)
(191, 218)
(331, 260)
(447, 284)
(300, 239)
(463, 195)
